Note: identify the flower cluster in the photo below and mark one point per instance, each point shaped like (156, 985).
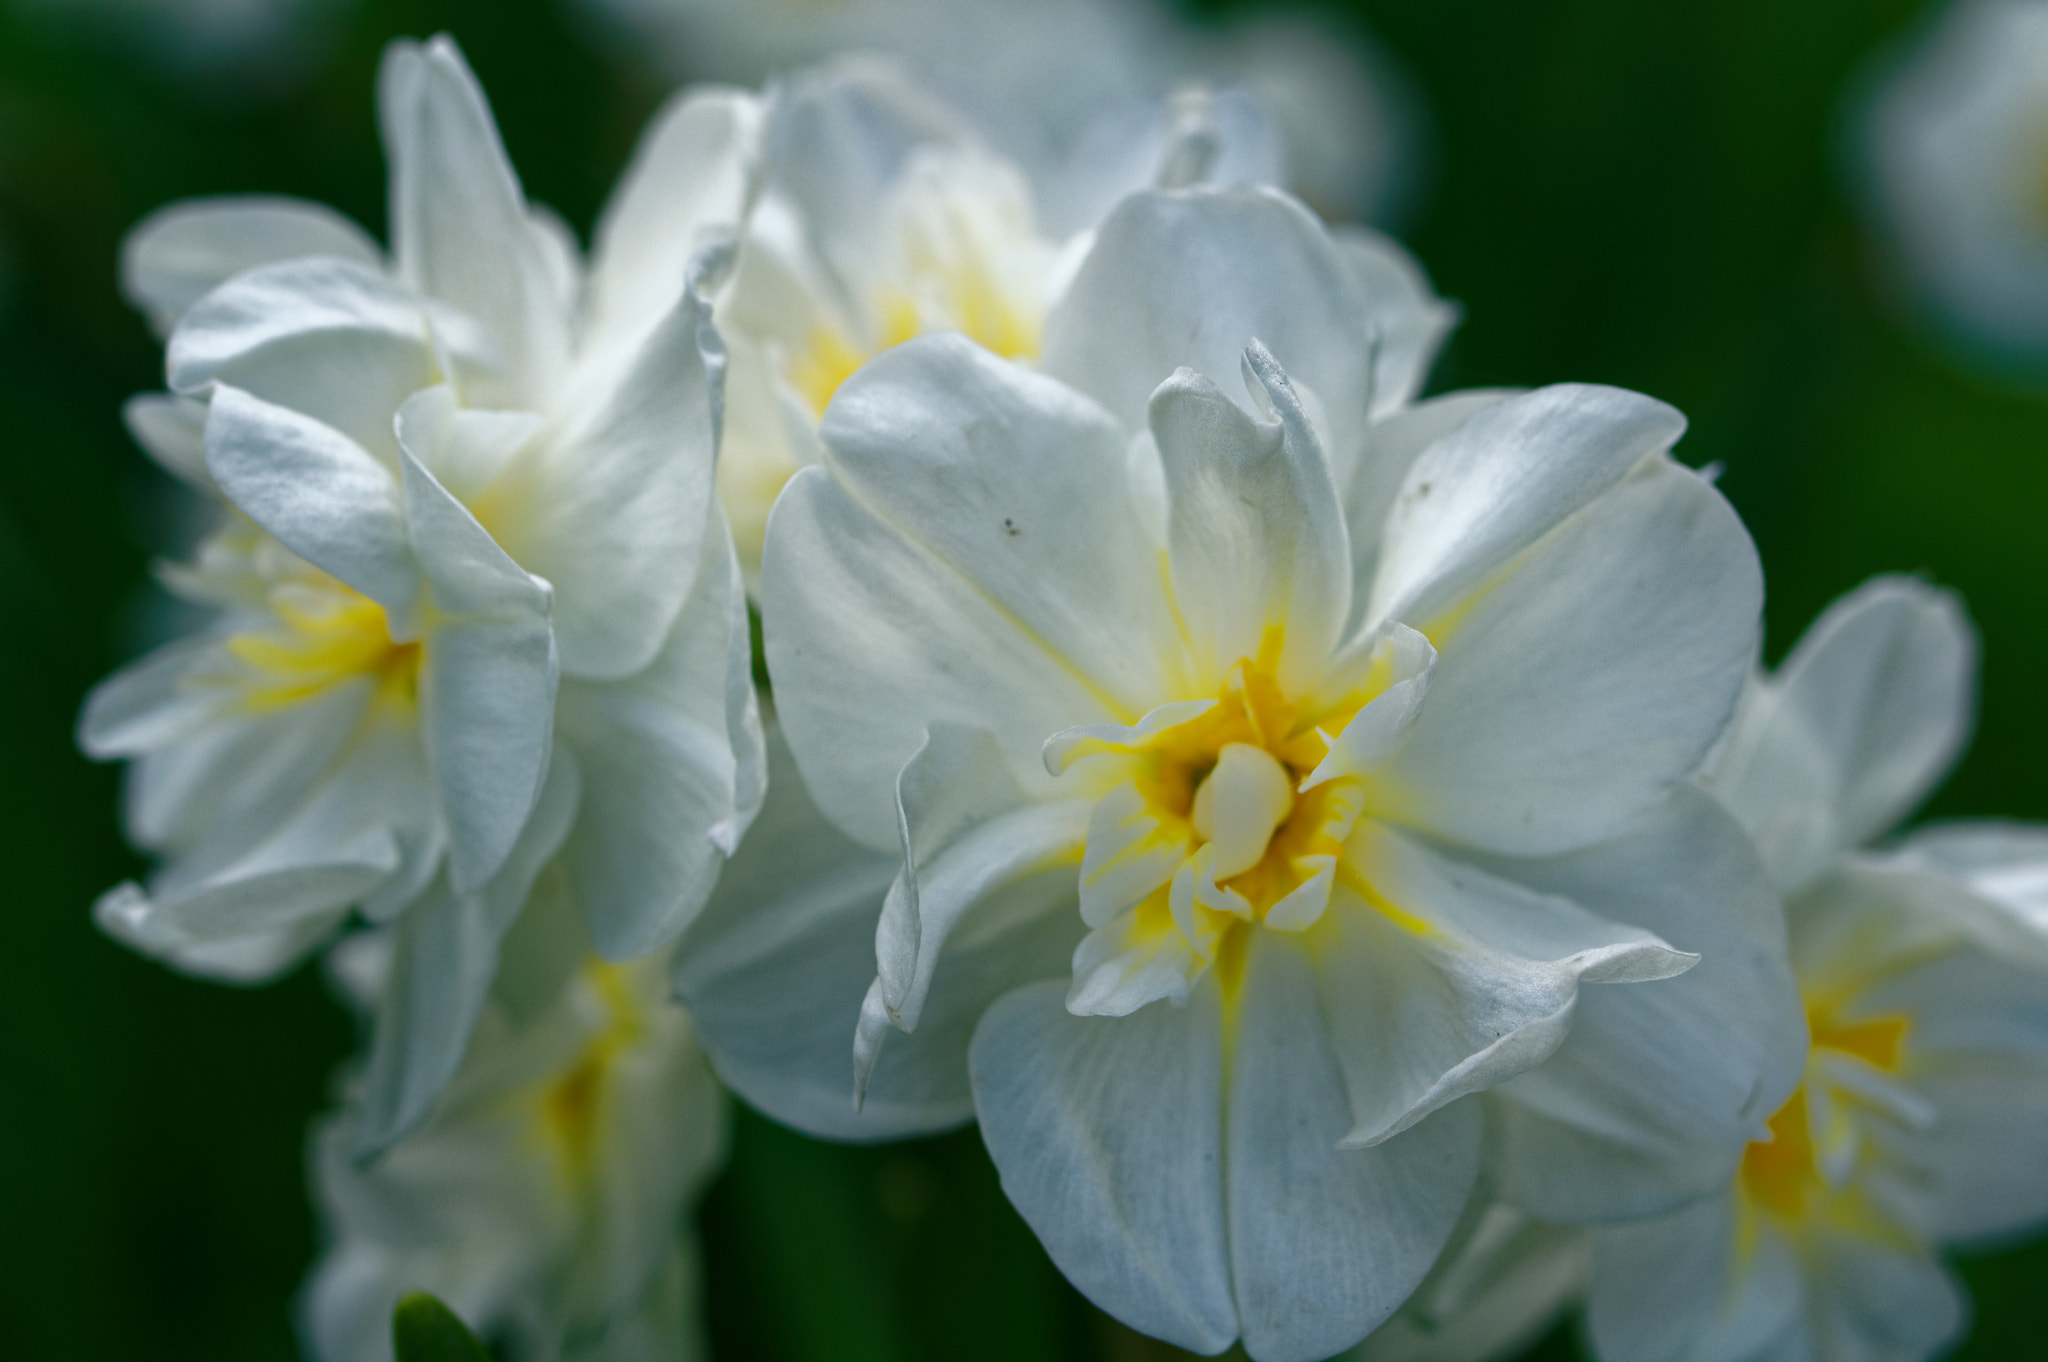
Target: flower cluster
(1339, 844)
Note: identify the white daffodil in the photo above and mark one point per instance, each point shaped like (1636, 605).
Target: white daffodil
(545, 1199)
(1254, 716)
(478, 605)
(1070, 89)
(1955, 161)
(1921, 1117)
(883, 217)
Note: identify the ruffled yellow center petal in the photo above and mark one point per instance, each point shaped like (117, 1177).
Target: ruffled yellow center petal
(323, 634)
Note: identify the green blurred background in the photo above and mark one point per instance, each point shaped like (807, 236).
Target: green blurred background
(1639, 194)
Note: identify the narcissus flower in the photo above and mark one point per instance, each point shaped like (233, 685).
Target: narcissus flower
(883, 216)
(1252, 710)
(546, 1198)
(1921, 1118)
(478, 606)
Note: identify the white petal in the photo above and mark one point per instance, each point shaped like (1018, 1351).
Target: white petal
(689, 180)
(1506, 477)
(323, 496)
(1678, 1289)
(1254, 530)
(1501, 1283)
(1878, 1303)
(1657, 1091)
(672, 758)
(2006, 864)
(1377, 731)
(1409, 322)
(614, 512)
(1190, 277)
(1571, 694)
(465, 449)
(1108, 1134)
(878, 624)
(338, 342)
(1325, 1241)
(1459, 982)
(128, 915)
(460, 230)
(179, 254)
(1865, 716)
(445, 955)
(171, 430)
(1392, 445)
(153, 700)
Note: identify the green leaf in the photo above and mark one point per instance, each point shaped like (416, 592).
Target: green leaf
(424, 1330)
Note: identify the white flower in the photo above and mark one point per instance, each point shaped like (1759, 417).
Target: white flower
(883, 217)
(1068, 87)
(545, 1198)
(1955, 156)
(479, 608)
(1922, 1114)
(1279, 717)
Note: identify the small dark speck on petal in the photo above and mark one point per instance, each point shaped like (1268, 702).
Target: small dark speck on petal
(1010, 527)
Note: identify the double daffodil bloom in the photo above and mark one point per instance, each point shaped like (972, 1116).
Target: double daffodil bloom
(479, 610)
(1236, 748)
(1921, 1117)
(883, 216)
(546, 1197)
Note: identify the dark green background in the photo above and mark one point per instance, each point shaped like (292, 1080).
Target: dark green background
(1634, 193)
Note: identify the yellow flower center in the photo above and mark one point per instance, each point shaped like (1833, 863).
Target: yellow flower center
(572, 1105)
(324, 634)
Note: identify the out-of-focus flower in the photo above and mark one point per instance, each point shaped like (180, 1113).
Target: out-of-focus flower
(545, 1199)
(479, 607)
(1257, 710)
(883, 217)
(1922, 1114)
(1060, 85)
(1954, 157)
(265, 44)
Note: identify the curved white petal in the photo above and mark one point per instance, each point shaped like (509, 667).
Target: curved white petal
(1452, 980)
(1108, 1134)
(171, 430)
(337, 342)
(1408, 321)
(688, 184)
(444, 957)
(1879, 1302)
(2006, 864)
(154, 700)
(1593, 675)
(1325, 1241)
(1189, 278)
(614, 506)
(180, 253)
(1677, 1289)
(1255, 535)
(1657, 1091)
(1865, 716)
(460, 229)
(1392, 445)
(128, 915)
(894, 594)
(1506, 477)
(323, 496)
(673, 764)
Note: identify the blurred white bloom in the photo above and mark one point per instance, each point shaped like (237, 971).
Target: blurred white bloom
(1296, 713)
(264, 43)
(1955, 155)
(883, 217)
(1057, 84)
(1922, 1114)
(546, 1198)
(479, 607)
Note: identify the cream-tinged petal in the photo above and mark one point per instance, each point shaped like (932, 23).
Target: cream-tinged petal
(1190, 278)
(1505, 478)
(1255, 535)
(1657, 1091)
(672, 759)
(1865, 716)
(323, 495)
(1131, 851)
(339, 343)
(1377, 731)
(171, 430)
(1593, 675)
(1448, 980)
(1108, 1134)
(688, 184)
(461, 232)
(488, 676)
(180, 253)
(444, 957)
(1136, 958)
(613, 508)
(1326, 1240)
